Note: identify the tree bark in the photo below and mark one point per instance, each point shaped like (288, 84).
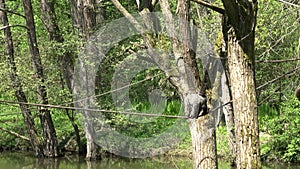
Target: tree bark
(241, 30)
(86, 21)
(66, 59)
(35, 141)
(202, 127)
(49, 133)
(184, 75)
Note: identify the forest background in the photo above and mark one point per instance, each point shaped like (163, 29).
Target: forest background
(277, 50)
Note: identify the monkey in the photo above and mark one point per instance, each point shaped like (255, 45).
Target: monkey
(297, 92)
(196, 105)
(144, 4)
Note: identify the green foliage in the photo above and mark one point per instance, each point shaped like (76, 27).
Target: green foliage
(222, 143)
(285, 131)
(277, 38)
(144, 126)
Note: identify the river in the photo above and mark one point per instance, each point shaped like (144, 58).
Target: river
(21, 160)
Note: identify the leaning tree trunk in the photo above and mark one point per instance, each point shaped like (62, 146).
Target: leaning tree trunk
(17, 86)
(50, 140)
(241, 27)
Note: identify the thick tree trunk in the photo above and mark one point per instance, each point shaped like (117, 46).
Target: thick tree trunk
(241, 27)
(202, 126)
(203, 141)
(244, 105)
(20, 95)
(50, 140)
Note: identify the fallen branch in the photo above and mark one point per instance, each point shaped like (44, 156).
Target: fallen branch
(15, 134)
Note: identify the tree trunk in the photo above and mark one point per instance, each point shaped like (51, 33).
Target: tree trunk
(74, 13)
(203, 141)
(50, 140)
(202, 126)
(19, 93)
(244, 105)
(66, 59)
(241, 27)
(185, 77)
(86, 20)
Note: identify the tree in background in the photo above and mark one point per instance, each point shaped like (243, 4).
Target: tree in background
(50, 144)
(35, 141)
(66, 60)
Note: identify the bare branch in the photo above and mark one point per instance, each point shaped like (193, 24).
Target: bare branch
(15, 134)
(210, 6)
(277, 61)
(295, 5)
(277, 78)
(10, 11)
(10, 26)
(127, 15)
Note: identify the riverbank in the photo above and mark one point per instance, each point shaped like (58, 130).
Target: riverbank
(181, 151)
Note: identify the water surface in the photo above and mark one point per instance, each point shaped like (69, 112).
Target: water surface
(21, 160)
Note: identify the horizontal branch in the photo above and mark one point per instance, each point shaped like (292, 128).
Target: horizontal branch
(14, 134)
(277, 78)
(277, 61)
(10, 26)
(92, 110)
(210, 6)
(13, 12)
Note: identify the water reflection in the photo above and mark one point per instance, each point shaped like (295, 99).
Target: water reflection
(25, 161)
